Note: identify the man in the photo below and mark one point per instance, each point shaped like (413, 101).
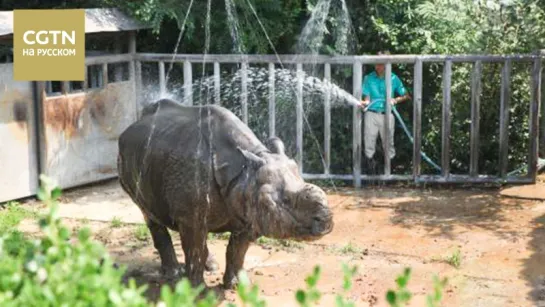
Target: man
(374, 96)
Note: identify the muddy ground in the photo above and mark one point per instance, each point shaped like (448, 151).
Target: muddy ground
(382, 230)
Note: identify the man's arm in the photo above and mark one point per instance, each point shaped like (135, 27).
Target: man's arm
(365, 92)
(401, 91)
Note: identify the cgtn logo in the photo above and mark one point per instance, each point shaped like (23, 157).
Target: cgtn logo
(50, 39)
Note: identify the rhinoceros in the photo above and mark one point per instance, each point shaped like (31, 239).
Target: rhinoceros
(200, 170)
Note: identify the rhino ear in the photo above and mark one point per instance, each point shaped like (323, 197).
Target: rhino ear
(252, 158)
(228, 166)
(276, 145)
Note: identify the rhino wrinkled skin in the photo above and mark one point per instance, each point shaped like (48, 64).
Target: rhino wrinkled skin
(214, 175)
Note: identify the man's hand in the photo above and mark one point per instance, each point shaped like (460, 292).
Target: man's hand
(393, 101)
(364, 103)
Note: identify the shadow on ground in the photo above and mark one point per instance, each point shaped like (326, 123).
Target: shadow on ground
(148, 273)
(534, 266)
(442, 210)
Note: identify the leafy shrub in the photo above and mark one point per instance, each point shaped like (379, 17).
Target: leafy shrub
(402, 296)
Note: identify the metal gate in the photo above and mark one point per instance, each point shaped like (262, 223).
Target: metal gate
(18, 154)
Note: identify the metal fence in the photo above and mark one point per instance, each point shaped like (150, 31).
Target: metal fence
(71, 147)
(357, 61)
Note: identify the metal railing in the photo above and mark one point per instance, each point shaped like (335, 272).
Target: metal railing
(357, 61)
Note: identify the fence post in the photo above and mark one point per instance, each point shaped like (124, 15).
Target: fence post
(475, 118)
(244, 92)
(446, 120)
(217, 84)
(272, 102)
(542, 107)
(327, 119)
(299, 113)
(417, 119)
(534, 123)
(388, 119)
(356, 125)
(104, 75)
(162, 82)
(504, 116)
(133, 71)
(188, 83)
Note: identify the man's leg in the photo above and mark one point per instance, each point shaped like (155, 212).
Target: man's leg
(392, 151)
(370, 137)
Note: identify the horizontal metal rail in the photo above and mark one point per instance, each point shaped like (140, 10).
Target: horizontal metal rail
(422, 179)
(321, 59)
(109, 59)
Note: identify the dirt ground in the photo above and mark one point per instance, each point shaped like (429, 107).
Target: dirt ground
(382, 230)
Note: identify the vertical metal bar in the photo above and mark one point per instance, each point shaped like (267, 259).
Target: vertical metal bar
(476, 90)
(534, 123)
(387, 119)
(65, 87)
(299, 113)
(132, 72)
(118, 70)
(244, 92)
(356, 125)
(162, 82)
(417, 118)
(104, 75)
(138, 87)
(504, 116)
(446, 121)
(542, 107)
(48, 87)
(188, 83)
(272, 102)
(327, 119)
(86, 79)
(217, 89)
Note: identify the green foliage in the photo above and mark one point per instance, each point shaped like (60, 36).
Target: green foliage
(141, 232)
(350, 249)
(455, 259)
(400, 296)
(185, 296)
(53, 271)
(167, 18)
(248, 293)
(11, 214)
(466, 26)
(310, 295)
(434, 299)
(116, 222)
(219, 236)
(349, 273)
(280, 243)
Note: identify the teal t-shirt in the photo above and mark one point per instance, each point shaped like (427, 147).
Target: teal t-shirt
(375, 87)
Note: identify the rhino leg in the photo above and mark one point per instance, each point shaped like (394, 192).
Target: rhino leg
(162, 241)
(236, 251)
(196, 254)
(211, 263)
